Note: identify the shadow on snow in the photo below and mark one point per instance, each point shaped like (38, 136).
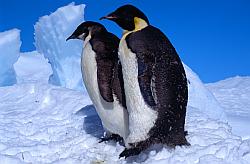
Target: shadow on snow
(92, 123)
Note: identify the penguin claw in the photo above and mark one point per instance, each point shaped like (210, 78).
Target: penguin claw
(129, 152)
(103, 139)
(114, 137)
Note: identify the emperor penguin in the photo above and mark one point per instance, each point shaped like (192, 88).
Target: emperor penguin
(102, 76)
(155, 83)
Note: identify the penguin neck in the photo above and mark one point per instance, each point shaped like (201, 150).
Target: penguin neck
(86, 40)
(139, 25)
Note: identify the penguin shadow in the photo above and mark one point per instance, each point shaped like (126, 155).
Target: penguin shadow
(92, 123)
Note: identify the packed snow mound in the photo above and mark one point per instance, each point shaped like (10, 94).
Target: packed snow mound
(233, 95)
(42, 123)
(37, 120)
(51, 32)
(237, 90)
(9, 53)
(32, 67)
(201, 98)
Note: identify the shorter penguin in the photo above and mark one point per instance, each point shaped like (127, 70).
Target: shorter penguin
(102, 76)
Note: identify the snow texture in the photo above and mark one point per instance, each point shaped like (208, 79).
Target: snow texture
(42, 123)
(9, 52)
(40, 71)
(235, 90)
(51, 32)
(201, 98)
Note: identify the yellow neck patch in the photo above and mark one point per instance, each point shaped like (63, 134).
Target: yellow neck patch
(139, 24)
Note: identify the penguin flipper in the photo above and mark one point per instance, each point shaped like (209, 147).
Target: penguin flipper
(145, 81)
(104, 77)
(106, 56)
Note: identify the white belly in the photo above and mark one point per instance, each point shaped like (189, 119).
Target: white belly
(141, 116)
(113, 116)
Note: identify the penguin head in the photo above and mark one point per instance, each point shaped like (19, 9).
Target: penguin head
(128, 17)
(85, 29)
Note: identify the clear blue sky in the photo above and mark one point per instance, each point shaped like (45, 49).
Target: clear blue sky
(211, 36)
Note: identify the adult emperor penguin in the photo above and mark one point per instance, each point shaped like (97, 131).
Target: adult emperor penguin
(102, 76)
(154, 80)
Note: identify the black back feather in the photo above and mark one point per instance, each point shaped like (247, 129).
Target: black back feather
(109, 71)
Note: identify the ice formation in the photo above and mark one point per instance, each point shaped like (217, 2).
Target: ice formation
(32, 67)
(51, 32)
(9, 53)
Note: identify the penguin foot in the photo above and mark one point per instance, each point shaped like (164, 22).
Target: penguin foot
(177, 140)
(114, 137)
(130, 152)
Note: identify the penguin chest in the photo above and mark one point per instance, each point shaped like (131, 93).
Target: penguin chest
(89, 72)
(112, 115)
(141, 116)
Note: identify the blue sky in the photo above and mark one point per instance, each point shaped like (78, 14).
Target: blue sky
(211, 36)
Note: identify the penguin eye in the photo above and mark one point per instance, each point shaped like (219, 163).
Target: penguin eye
(85, 30)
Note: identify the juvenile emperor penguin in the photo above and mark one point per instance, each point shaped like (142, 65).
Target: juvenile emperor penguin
(102, 76)
(155, 83)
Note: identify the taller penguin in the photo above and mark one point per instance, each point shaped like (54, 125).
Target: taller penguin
(154, 80)
(102, 76)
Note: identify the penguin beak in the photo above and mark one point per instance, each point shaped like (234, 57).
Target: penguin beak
(71, 37)
(109, 17)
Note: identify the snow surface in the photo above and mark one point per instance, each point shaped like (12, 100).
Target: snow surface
(42, 123)
(233, 95)
(51, 32)
(201, 98)
(9, 52)
(32, 67)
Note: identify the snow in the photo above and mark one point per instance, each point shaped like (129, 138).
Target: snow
(201, 98)
(40, 71)
(9, 52)
(51, 32)
(35, 123)
(233, 95)
(43, 123)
